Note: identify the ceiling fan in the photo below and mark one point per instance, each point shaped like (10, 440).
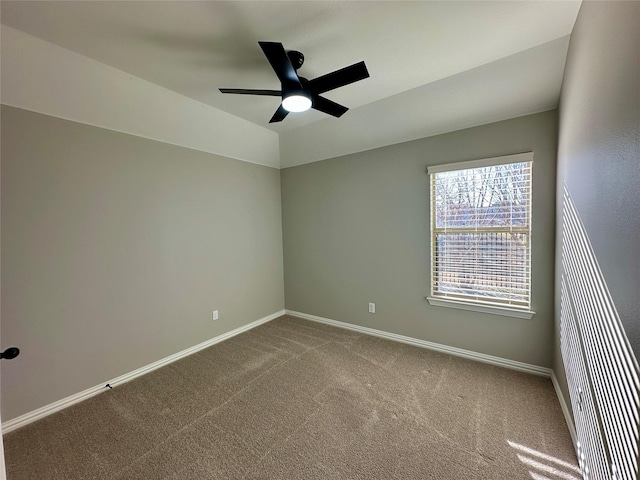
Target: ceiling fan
(299, 94)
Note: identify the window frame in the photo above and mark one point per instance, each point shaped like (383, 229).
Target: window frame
(485, 306)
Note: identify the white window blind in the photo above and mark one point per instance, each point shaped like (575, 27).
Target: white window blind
(481, 231)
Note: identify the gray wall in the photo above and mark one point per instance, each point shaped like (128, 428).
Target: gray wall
(599, 151)
(356, 230)
(116, 249)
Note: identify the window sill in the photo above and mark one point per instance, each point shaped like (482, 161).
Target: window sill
(475, 307)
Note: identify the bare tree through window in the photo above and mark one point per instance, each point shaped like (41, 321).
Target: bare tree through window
(481, 233)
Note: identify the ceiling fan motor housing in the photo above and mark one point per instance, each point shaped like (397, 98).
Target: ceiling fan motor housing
(296, 58)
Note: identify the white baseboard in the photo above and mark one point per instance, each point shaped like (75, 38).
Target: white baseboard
(458, 352)
(30, 417)
(565, 409)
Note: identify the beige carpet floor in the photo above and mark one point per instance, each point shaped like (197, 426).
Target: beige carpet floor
(294, 399)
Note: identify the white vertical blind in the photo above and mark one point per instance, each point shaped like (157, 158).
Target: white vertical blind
(481, 231)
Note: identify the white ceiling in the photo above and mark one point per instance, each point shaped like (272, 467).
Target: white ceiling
(193, 48)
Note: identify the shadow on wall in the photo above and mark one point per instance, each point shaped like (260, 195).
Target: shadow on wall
(602, 371)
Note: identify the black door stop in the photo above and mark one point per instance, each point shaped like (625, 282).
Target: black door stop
(9, 353)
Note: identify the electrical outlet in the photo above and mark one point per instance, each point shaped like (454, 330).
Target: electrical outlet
(372, 308)
(215, 314)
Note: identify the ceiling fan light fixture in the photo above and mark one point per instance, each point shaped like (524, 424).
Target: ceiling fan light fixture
(296, 102)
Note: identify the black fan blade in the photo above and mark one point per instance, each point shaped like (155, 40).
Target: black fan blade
(280, 63)
(244, 91)
(339, 78)
(327, 106)
(279, 115)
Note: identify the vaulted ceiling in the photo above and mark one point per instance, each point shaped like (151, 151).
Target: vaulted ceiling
(435, 66)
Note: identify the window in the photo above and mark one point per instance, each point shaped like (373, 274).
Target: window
(481, 235)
